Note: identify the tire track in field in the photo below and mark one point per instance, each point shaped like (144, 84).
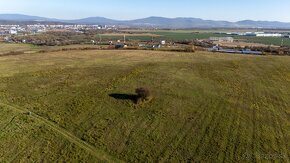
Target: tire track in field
(281, 146)
(177, 139)
(4, 124)
(211, 126)
(12, 119)
(285, 141)
(215, 127)
(273, 118)
(235, 142)
(229, 153)
(70, 137)
(186, 127)
(237, 153)
(233, 126)
(12, 159)
(277, 118)
(227, 136)
(238, 129)
(277, 122)
(136, 126)
(254, 106)
(257, 102)
(203, 129)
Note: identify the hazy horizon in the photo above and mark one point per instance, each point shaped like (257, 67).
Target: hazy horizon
(127, 10)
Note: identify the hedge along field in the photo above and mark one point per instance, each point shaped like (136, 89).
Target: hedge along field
(206, 107)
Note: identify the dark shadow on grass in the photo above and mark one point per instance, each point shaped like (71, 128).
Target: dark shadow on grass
(121, 96)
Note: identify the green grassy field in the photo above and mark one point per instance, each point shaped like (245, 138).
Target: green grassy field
(29, 48)
(207, 107)
(5, 47)
(206, 35)
(190, 35)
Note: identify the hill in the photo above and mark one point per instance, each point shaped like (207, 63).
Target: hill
(20, 17)
(155, 22)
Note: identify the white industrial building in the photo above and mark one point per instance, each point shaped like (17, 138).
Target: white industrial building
(248, 34)
(13, 32)
(269, 35)
(222, 39)
(261, 34)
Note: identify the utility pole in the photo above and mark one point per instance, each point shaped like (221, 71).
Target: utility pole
(100, 38)
(124, 39)
(282, 42)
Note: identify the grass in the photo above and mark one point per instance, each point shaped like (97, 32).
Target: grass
(27, 138)
(5, 47)
(267, 40)
(17, 49)
(186, 35)
(206, 107)
(130, 38)
(205, 35)
(190, 35)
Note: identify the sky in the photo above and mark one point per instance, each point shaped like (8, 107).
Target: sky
(230, 10)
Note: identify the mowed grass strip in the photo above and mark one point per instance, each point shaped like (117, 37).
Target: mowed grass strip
(206, 107)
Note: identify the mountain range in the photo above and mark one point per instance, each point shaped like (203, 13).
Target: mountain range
(150, 22)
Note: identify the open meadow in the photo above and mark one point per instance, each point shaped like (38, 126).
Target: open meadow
(208, 107)
(181, 35)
